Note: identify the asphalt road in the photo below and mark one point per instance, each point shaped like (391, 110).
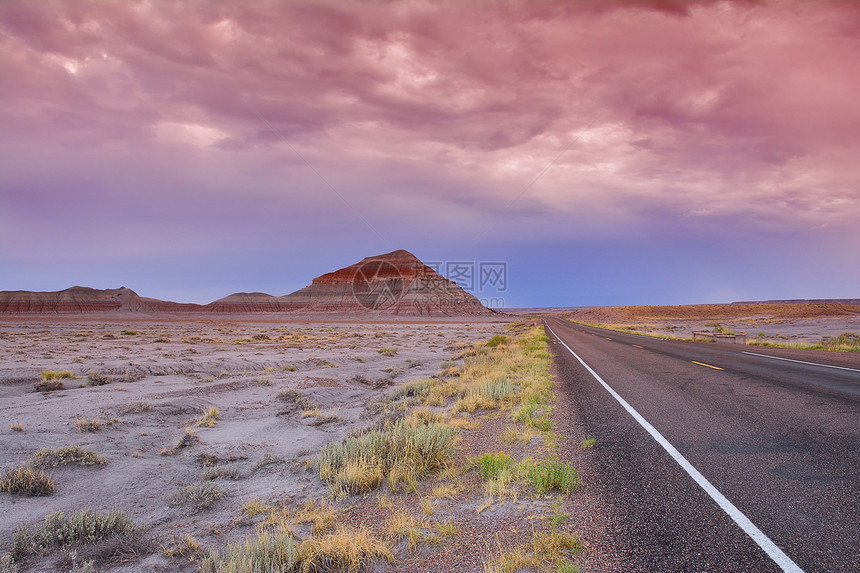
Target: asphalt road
(779, 439)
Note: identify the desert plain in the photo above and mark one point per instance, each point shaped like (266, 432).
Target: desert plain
(241, 409)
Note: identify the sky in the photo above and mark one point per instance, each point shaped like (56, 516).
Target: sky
(616, 152)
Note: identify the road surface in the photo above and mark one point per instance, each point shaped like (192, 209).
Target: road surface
(771, 445)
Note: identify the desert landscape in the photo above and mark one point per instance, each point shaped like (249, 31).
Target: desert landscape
(396, 423)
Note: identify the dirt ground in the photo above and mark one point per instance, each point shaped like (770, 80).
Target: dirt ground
(163, 375)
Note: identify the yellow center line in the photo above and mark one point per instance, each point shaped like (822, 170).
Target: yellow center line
(637, 346)
(708, 365)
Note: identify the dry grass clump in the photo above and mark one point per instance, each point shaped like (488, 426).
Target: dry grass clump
(84, 527)
(27, 481)
(48, 386)
(46, 458)
(345, 549)
(51, 375)
(295, 399)
(548, 551)
(229, 471)
(400, 454)
(96, 378)
(321, 516)
(266, 552)
(199, 495)
(16, 427)
(413, 389)
(184, 546)
(387, 351)
(210, 418)
(134, 408)
(84, 425)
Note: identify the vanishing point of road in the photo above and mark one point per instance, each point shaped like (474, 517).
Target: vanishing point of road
(719, 457)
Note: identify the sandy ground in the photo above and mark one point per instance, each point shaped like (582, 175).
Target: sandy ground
(164, 374)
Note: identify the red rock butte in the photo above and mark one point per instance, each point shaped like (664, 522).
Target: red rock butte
(393, 284)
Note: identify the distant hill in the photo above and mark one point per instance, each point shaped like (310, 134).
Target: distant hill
(395, 283)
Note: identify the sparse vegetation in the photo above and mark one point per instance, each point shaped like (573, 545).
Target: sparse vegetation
(210, 418)
(401, 454)
(48, 386)
(51, 375)
(96, 378)
(229, 471)
(84, 425)
(27, 481)
(845, 342)
(134, 408)
(199, 495)
(189, 438)
(185, 546)
(16, 427)
(547, 551)
(387, 351)
(296, 399)
(47, 458)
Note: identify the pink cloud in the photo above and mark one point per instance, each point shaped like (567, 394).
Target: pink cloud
(712, 109)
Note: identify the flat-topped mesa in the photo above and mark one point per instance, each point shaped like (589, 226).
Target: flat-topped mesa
(396, 283)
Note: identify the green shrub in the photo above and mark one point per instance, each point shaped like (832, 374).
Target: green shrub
(27, 481)
(531, 415)
(547, 475)
(492, 464)
(129, 333)
(46, 458)
(497, 340)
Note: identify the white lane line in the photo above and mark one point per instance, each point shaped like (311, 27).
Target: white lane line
(757, 535)
(800, 361)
